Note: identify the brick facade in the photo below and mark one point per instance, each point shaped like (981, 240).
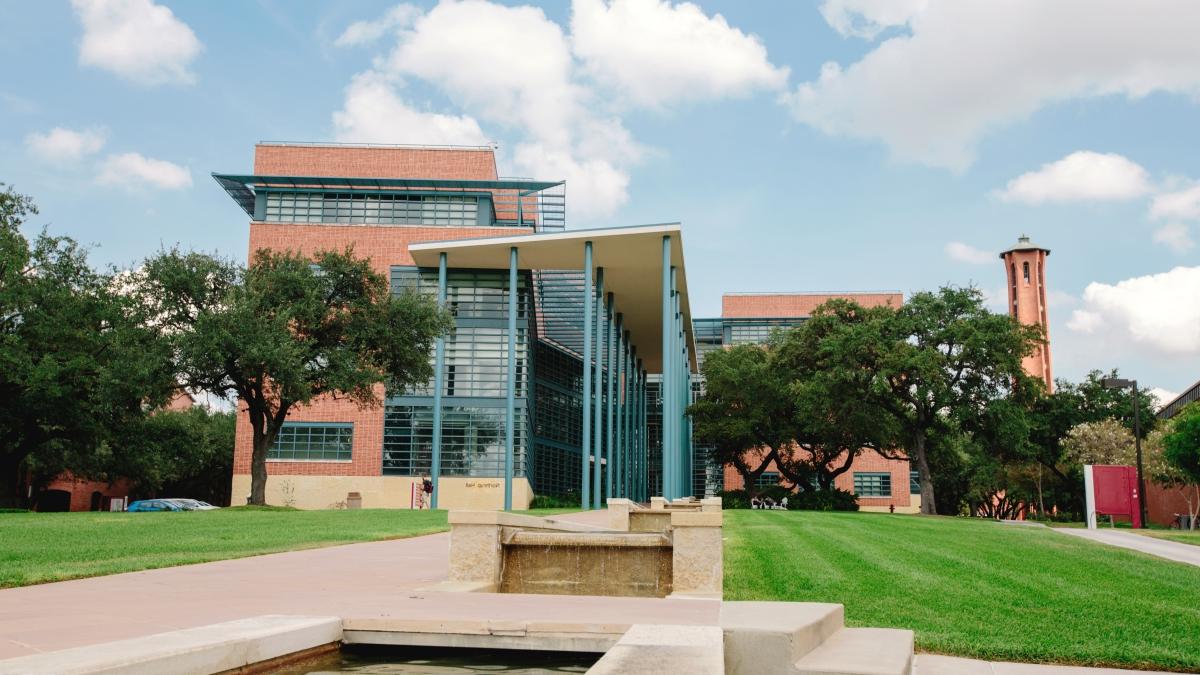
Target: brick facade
(790, 305)
(348, 161)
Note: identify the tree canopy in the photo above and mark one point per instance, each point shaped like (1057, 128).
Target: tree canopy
(287, 329)
(78, 361)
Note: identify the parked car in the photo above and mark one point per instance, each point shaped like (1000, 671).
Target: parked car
(171, 504)
(155, 505)
(194, 505)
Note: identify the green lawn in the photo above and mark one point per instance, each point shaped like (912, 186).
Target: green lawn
(40, 547)
(972, 587)
(1182, 536)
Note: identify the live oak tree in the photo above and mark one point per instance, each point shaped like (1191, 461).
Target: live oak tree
(78, 363)
(1179, 446)
(834, 420)
(941, 356)
(746, 412)
(287, 329)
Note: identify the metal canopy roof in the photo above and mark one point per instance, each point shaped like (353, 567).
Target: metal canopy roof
(632, 262)
(241, 187)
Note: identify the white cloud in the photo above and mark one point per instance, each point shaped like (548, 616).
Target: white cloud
(1158, 312)
(1163, 396)
(969, 254)
(1174, 236)
(868, 18)
(374, 113)
(968, 67)
(137, 40)
(652, 52)
(132, 170)
(1184, 204)
(64, 146)
(362, 33)
(1080, 176)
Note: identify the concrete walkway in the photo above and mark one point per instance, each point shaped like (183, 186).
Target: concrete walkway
(1163, 548)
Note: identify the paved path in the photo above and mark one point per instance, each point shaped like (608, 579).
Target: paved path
(359, 580)
(1163, 548)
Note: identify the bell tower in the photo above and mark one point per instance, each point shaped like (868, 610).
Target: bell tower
(1025, 269)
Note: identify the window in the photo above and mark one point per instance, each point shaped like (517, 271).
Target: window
(914, 482)
(313, 442)
(1025, 272)
(399, 208)
(472, 441)
(766, 479)
(872, 484)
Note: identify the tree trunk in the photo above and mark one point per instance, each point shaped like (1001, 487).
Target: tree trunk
(928, 506)
(258, 469)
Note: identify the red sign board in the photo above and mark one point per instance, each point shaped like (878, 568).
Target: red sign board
(1116, 492)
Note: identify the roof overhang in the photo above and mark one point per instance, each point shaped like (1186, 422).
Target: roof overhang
(632, 259)
(242, 187)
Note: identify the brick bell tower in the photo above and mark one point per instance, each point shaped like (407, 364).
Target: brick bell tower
(1025, 268)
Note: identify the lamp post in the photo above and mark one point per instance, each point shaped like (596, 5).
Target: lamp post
(1121, 383)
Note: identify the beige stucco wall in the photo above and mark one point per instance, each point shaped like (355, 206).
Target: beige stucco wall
(382, 492)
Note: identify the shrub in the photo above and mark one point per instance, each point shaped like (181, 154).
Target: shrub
(734, 499)
(554, 502)
(832, 499)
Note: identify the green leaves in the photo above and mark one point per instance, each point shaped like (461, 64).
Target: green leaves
(288, 329)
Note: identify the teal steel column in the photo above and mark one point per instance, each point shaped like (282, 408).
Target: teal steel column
(668, 325)
(511, 400)
(610, 349)
(643, 395)
(439, 364)
(598, 419)
(584, 449)
(619, 445)
(676, 376)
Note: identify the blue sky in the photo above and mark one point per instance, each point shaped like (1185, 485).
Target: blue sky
(835, 145)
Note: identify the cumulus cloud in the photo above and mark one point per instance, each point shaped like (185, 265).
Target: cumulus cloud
(964, 68)
(1078, 177)
(1162, 396)
(362, 33)
(1183, 204)
(136, 39)
(1158, 312)
(653, 53)
(868, 18)
(966, 253)
(1174, 236)
(555, 98)
(374, 113)
(64, 146)
(131, 169)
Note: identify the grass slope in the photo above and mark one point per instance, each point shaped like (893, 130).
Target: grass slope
(41, 547)
(973, 588)
(1181, 536)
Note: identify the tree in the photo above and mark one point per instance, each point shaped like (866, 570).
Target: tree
(78, 362)
(746, 408)
(286, 330)
(1180, 448)
(940, 356)
(177, 453)
(835, 419)
(1104, 442)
